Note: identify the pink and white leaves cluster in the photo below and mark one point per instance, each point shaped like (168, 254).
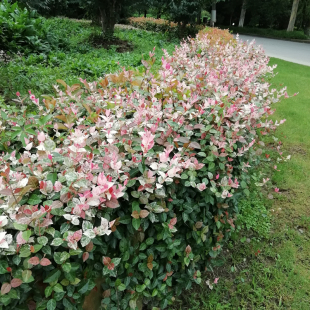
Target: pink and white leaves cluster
(204, 106)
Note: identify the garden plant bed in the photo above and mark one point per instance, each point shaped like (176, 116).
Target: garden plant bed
(148, 173)
(121, 46)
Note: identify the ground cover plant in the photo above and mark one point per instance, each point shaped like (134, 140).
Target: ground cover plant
(130, 184)
(276, 277)
(79, 58)
(22, 30)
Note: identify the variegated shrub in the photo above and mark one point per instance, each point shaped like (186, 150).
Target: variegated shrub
(133, 180)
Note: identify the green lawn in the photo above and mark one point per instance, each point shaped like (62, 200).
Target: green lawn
(278, 277)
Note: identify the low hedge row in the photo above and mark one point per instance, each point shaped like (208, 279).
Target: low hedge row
(163, 25)
(129, 186)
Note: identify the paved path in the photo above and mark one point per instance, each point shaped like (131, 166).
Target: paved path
(286, 50)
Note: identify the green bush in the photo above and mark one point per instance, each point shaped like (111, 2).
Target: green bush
(272, 33)
(20, 29)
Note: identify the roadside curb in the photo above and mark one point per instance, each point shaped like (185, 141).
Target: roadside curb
(268, 37)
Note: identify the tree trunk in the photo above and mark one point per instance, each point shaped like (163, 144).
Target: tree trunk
(213, 13)
(145, 13)
(293, 16)
(242, 15)
(158, 14)
(108, 16)
(199, 17)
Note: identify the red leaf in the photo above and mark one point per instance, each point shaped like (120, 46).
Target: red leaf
(45, 262)
(34, 260)
(5, 288)
(113, 203)
(173, 221)
(31, 305)
(9, 269)
(85, 256)
(16, 282)
(89, 247)
(106, 260)
(188, 249)
(111, 266)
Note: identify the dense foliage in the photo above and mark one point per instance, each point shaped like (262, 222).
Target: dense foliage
(282, 34)
(22, 30)
(79, 58)
(162, 25)
(132, 181)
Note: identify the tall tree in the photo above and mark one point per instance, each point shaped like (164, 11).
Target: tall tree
(242, 15)
(106, 13)
(183, 12)
(213, 13)
(293, 16)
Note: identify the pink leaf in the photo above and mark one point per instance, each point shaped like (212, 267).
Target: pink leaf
(5, 288)
(34, 260)
(41, 136)
(78, 235)
(113, 203)
(215, 280)
(45, 262)
(85, 256)
(20, 240)
(195, 145)
(173, 221)
(16, 282)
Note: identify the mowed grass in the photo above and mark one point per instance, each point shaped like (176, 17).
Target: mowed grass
(279, 276)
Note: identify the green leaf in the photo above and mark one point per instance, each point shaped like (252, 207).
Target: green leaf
(52, 177)
(16, 260)
(26, 235)
(20, 226)
(53, 276)
(26, 275)
(64, 227)
(140, 288)
(3, 265)
(58, 288)
(116, 261)
(136, 206)
(149, 241)
(136, 223)
(121, 287)
(24, 252)
(34, 199)
(51, 304)
(75, 252)
(48, 291)
(57, 242)
(22, 138)
(61, 257)
(131, 183)
(42, 240)
(84, 286)
(243, 184)
(66, 267)
(247, 192)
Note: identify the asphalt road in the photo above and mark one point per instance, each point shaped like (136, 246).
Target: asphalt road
(286, 50)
